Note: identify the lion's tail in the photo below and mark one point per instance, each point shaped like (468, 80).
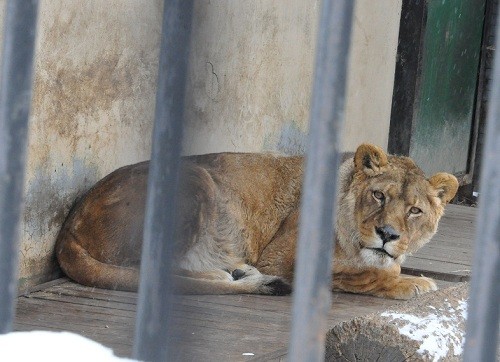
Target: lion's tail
(82, 267)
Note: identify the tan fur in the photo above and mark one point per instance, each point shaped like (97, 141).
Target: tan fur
(239, 224)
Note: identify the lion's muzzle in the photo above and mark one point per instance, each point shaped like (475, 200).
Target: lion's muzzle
(387, 233)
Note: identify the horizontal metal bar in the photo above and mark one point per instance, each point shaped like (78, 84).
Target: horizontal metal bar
(15, 100)
(312, 286)
(484, 300)
(153, 321)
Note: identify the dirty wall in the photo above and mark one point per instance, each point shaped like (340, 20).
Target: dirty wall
(93, 100)
(249, 84)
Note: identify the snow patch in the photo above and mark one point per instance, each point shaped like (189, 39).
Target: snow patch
(41, 346)
(436, 331)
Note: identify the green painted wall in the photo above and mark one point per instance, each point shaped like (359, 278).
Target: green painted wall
(445, 106)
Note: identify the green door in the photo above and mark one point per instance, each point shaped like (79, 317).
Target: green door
(445, 100)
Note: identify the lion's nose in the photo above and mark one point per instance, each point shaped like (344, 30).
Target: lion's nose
(387, 233)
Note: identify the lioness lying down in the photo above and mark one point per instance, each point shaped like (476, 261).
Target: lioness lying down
(239, 221)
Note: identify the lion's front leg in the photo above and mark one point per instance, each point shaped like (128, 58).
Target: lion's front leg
(386, 283)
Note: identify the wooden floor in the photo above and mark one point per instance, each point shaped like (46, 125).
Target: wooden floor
(448, 256)
(226, 328)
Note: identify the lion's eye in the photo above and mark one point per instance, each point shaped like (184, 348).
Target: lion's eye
(415, 210)
(378, 195)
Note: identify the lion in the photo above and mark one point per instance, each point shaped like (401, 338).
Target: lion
(239, 221)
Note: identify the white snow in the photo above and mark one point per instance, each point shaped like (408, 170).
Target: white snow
(41, 346)
(436, 331)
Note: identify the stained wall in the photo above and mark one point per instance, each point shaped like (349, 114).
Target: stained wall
(93, 100)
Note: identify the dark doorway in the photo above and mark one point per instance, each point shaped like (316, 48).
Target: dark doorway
(441, 85)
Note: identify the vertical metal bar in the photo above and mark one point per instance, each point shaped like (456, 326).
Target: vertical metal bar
(312, 286)
(483, 310)
(155, 294)
(15, 99)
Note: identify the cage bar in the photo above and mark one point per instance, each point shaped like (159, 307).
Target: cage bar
(483, 309)
(153, 323)
(312, 286)
(15, 100)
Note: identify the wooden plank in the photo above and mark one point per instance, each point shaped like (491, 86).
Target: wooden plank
(42, 286)
(460, 212)
(70, 288)
(51, 307)
(207, 327)
(49, 317)
(446, 255)
(84, 300)
(437, 270)
(115, 332)
(70, 285)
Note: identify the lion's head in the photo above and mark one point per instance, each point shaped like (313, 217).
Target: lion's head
(388, 208)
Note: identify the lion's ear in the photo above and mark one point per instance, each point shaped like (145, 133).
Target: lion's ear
(370, 159)
(445, 184)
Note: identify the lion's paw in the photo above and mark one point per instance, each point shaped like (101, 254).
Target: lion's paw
(272, 285)
(278, 287)
(244, 271)
(424, 285)
(263, 284)
(409, 287)
(237, 274)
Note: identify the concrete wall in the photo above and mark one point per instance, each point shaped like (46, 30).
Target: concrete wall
(93, 103)
(250, 75)
(371, 73)
(251, 71)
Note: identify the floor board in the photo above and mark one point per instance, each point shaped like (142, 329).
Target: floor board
(214, 328)
(448, 256)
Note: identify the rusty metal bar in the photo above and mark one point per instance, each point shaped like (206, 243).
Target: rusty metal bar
(312, 286)
(153, 323)
(484, 300)
(15, 100)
